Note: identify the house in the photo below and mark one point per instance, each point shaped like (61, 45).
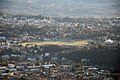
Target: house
(11, 65)
(4, 57)
(48, 65)
(31, 59)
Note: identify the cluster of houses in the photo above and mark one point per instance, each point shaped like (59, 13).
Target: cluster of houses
(18, 62)
(30, 69)
(28, 64)
(62, 70)
(53, 28)
(93, 73)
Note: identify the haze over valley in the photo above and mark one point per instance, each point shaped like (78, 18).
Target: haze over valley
(63, 8)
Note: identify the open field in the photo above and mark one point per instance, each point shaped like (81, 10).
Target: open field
(74, 43)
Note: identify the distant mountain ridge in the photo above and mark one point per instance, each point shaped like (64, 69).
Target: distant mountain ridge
(62, 8)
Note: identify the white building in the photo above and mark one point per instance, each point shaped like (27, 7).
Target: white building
(108, 41)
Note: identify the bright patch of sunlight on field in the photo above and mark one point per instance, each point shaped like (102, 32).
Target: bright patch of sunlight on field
(74, 43)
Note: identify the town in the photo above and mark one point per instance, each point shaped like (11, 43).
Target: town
(97, 59)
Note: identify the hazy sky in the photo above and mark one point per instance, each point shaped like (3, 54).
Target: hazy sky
(62, 7)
